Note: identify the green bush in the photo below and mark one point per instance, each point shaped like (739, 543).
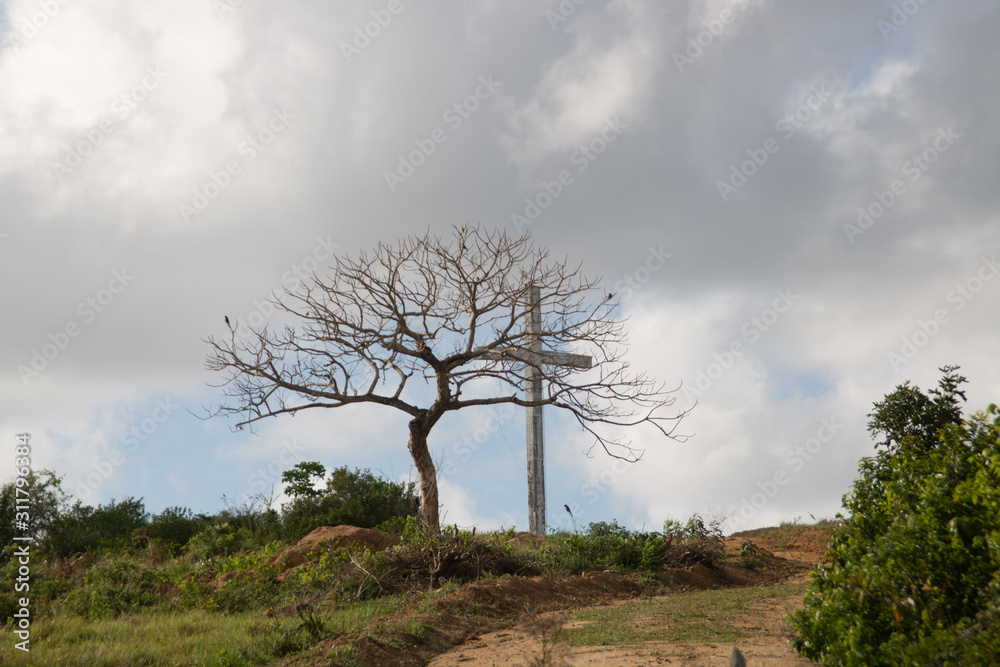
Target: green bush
(174, 528)
(915, 568)
(224, 539)
(610, 545)
(43, 585)
(750, 555)
(355, 498)
(45, 498)
(117, 587)
(106, 528)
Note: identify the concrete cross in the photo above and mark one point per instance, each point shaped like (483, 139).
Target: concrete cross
(533, 356)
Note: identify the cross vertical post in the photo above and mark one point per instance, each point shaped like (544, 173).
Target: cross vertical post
(535, 437)
(534, 355)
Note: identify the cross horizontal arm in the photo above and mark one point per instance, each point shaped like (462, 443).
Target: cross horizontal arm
(538, 358)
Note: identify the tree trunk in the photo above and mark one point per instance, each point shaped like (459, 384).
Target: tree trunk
(428, 475)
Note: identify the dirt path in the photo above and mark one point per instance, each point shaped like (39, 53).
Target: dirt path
(763, 624)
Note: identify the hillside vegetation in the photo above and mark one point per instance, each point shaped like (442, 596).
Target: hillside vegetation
(909, 575)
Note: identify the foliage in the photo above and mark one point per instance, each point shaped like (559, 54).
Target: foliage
(223, 539)
(106, 528)
(910, 418)
(45, 498)
(299, 479)
(916, 567)
(607, 545)
(254, 515)
(750, 555)
(44, 585)
(355, 498)
(252, 560)
(116, 587)
(174, 527)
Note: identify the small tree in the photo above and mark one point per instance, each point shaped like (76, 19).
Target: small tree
(914, 576)
(45, 500)
(908, 416)
(448, 313)
(83, 528)
(299, 479)
(353, 497)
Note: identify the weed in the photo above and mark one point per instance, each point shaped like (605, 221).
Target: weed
(750, 555)
(547, 628)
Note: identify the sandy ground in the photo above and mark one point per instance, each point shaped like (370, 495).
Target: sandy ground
(765, 624)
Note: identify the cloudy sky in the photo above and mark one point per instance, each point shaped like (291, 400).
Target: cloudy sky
(795, 201)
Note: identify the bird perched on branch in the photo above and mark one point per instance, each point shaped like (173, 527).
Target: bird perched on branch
(226, 318)
(568, 510)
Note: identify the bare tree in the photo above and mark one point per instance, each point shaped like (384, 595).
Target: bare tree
(449, 312)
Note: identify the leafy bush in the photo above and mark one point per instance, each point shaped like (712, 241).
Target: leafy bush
(750, 555)
(224, 539)
(252, 560)
(245, 593)
(45, 498)
(607, 545)
(44, 585)
(174, 528)
(117, 587)
(85, 529)
(915, 569)
(355, 498)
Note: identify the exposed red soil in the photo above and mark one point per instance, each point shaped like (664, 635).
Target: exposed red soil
(330, 538)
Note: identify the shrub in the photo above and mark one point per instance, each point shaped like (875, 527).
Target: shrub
(43, 585)
(355, 498)
(174, 528)
(87, 529)
(224, 539)
(750, 555)
(606, 545)
(915, 569)
(117, 587)
(45, 497)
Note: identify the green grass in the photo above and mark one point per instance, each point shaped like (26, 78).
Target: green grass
(193, 637)
(702, 618)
